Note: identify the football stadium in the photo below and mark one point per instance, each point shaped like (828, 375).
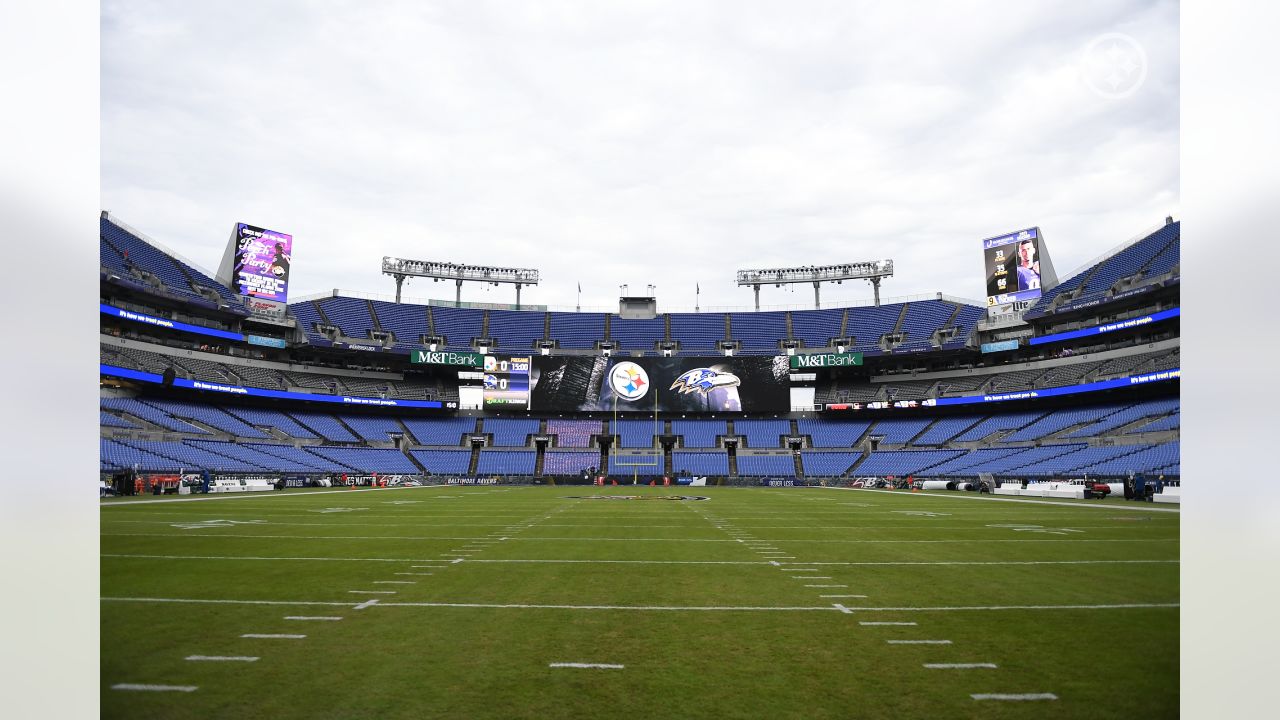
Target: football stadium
(364, 450)
(336, 506)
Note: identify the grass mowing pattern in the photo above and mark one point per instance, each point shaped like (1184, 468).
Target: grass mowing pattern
(459, 642)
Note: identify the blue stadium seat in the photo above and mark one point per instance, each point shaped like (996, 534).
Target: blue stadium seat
(511, 432)
(762, 434)
(766, 466)
(699, 433)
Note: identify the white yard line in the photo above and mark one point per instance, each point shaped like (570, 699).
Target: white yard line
(599, 666)
(155, 688)
(918, 642)
(276, 636)
(312, 617)
(869, 622)
(394, 582)
(372, 592)
(1014, 697)
(221, 658)
(959, 666)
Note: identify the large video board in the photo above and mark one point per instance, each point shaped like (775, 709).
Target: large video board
(262, 258)
(1012, 264)
(674, 384)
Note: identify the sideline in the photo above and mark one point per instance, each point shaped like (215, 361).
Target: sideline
(978, 496)
(259, 495)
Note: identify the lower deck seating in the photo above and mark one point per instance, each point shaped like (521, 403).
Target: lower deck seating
(1103, 439)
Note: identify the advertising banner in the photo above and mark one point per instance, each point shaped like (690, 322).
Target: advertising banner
(166, 323)
(1143, 379)
(266, 341)
(113, 371)
(425, 357)
(805, 362)
(262, 258)
(999, 346)
(1109, 327)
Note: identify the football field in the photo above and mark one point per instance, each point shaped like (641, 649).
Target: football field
(624, 602)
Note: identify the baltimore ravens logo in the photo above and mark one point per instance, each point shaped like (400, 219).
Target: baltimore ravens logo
(629, 381)
(704, 380)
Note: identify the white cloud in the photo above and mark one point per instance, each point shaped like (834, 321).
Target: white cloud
(665, 143)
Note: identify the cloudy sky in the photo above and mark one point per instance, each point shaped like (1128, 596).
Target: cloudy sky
(665, 143)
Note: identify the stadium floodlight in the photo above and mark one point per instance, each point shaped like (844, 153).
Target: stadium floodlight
(400, 268)
(873, 271)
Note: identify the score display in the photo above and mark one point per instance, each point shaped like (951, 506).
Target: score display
(506, 382)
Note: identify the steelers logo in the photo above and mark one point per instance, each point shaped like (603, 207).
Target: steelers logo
(629, 381)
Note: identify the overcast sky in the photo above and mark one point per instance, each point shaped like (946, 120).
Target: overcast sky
(669, 143)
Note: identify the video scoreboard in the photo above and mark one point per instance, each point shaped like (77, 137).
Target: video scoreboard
(506, 382)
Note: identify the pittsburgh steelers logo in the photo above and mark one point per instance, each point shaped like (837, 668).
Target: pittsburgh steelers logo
(629, 381)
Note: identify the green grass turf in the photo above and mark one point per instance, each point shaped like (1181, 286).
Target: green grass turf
(454, 643)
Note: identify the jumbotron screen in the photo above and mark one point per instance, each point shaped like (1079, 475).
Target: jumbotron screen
(1012, 263)
(262, 259)
(667, 384)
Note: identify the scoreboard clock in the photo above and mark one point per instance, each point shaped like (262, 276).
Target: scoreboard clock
(506, 382)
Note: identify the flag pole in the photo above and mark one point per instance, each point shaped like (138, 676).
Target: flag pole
(697, 298)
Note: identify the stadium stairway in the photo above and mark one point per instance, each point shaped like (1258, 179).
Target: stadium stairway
(733, 461)
(320, 312)
(795, 457)
(404, 448)
(912, 442)
(902, 314)
(540, 462)
(351, 430)
(475, 460)
(864, 453)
